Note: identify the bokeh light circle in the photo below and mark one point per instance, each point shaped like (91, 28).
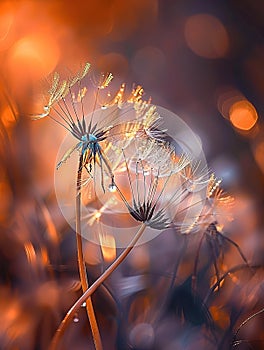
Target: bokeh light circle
(34, 55)
(206, 36)
(243, 115)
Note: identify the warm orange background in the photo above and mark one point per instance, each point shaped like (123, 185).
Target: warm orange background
(202, 60)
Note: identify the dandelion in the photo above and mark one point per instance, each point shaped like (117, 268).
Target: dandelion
(158, 185)
(125, 140)
(155, 186)
(88, 134)
(210, 221)
(95, 139)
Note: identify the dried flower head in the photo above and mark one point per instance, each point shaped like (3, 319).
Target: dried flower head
(66, 106)
(158, 190)
(219, 202)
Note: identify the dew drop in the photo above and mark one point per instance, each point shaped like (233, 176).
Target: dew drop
(84, 304)
(76, 318)
(112, 188)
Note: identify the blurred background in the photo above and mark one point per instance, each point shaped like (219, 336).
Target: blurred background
(203, 61)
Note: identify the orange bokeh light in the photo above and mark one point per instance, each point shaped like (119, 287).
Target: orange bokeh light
(243, 115)
(206, 36)
(34, 55)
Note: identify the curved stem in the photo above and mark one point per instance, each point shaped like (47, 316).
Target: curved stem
(81, 263)
(70, 314)
(227, 273)
(246, 321)
(194, 275)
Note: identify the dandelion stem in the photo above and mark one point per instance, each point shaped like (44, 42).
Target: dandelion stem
(81, 263)
(87, 294)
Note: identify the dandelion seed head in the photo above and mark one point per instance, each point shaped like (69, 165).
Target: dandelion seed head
(134, 158)
(217, 208)
(154, 181)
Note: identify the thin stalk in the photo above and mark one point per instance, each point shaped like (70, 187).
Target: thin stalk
(81, 263)
(196, 261)
(176, 266)
(245, 322)
(228, 273)
(87, 294)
